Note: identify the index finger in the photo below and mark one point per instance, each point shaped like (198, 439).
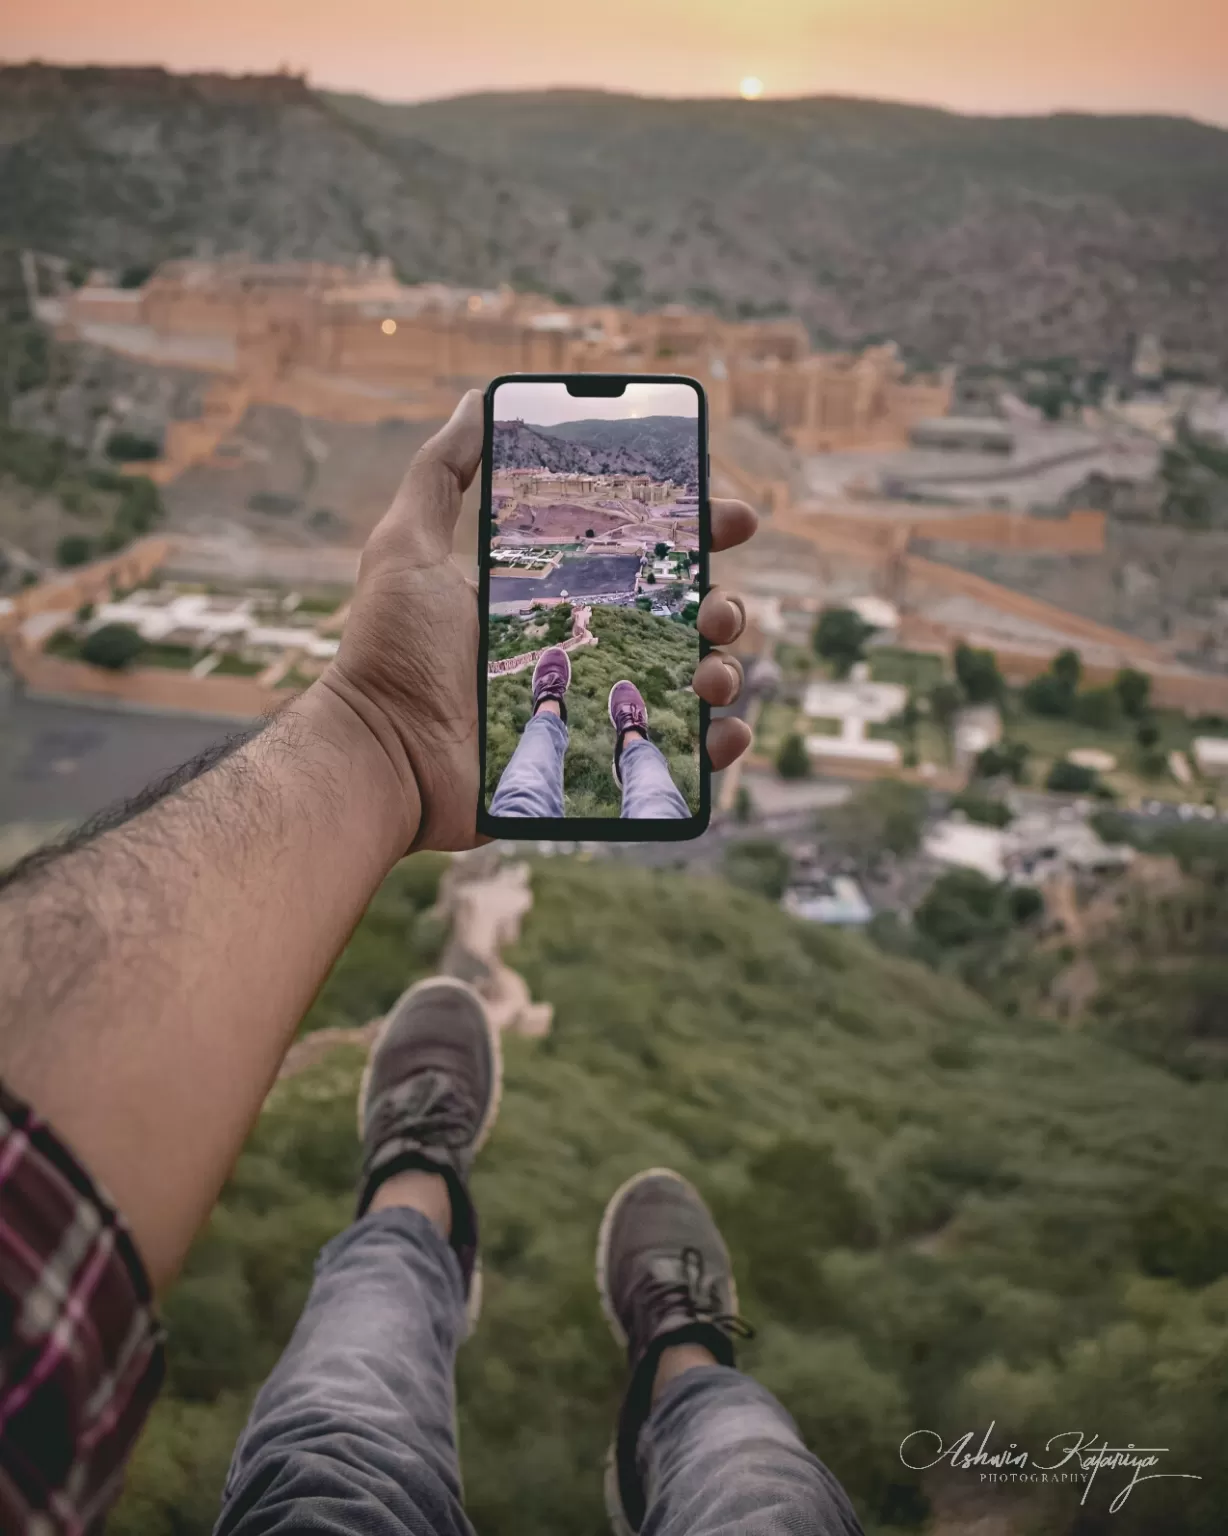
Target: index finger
(733, 522)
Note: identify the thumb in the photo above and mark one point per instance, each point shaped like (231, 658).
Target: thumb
(429, 500)
(457, 446)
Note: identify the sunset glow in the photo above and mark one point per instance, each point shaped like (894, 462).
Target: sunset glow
(972, 55)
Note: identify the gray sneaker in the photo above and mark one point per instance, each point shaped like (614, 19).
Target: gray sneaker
(552, 678)
(429, 1097)
(664, 1277)
(627, 712)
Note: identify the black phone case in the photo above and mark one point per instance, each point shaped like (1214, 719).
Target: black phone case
(596, 829)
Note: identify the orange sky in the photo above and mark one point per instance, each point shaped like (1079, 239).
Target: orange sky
(973, 55)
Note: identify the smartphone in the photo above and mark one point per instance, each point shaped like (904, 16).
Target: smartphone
(593, 552)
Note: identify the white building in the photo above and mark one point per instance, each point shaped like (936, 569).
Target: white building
(1211, 755)
(871, 703)
(210, 621)
(855, 704)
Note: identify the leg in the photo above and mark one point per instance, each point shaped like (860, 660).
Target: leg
(355, 1429)
(640, 769)
(532, 782)
(700, 1449)
(649, 792)
(720, 1456)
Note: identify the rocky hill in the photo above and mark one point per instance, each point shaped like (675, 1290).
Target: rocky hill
(960, 237)
(661, 446)
(668, 444)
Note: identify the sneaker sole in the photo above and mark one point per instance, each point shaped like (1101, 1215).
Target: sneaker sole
(619, 1523)
(489, 1115)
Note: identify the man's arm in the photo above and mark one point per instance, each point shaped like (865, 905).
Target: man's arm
(152, 977)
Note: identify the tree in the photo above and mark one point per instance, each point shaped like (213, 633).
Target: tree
(1003, 760)
(135, 276)
(883, 816)
(945, 700)
(1099, 708)
(113, 646)
(1048, 695)
(840, 638)
(73, 549)
(1067, 667)
(1067, 778)
(792, 761)
(660, 549)
(982, 808)
(978, 674)
(128, 447)
(758, 864)
(1147, 734)
(961, 907)
(1134, 691)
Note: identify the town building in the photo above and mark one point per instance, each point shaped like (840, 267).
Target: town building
(317, 321)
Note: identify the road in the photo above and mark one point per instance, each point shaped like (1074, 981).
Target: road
(63, 762)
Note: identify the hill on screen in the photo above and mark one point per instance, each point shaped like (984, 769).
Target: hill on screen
(662, 446)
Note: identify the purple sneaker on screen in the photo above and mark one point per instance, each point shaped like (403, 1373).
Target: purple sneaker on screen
(627, 713)
(552, 679)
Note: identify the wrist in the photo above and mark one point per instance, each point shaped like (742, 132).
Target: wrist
(373, 771)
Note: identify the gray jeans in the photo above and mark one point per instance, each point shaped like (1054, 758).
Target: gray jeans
(532, 782)
(354, 1432)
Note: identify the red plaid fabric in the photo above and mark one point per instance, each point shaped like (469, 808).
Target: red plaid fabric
(81, 1354)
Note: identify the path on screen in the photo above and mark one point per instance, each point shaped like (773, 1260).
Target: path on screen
(580, 635)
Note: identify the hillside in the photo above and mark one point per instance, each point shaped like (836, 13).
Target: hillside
(657, 654)
(135, 165)
(661, 446)
(667, 444)
(958, 236)
(938, 1218)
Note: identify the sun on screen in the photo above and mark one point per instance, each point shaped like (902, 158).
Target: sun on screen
(751, 88)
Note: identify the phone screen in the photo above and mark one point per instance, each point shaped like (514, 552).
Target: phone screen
(594, 564)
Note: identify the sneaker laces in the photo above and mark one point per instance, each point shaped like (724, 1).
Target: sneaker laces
(428, 1107)
(695, 1295)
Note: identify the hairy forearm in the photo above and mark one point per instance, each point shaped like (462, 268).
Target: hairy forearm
(151, 978)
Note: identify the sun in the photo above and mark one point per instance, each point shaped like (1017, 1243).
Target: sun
(751, 88)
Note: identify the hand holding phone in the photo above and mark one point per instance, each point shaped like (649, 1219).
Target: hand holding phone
(594, 561)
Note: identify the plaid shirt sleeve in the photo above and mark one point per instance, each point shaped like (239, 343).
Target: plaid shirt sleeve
(81, 1352)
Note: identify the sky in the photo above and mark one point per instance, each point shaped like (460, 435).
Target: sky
(998, 56)
(544, 405)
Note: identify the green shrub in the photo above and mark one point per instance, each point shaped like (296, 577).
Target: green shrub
(73, 549)
(113, 646)
(757, 864)
(127, 447)
(983, 809)
(978, 675)
(1067, 778)
(793, 761)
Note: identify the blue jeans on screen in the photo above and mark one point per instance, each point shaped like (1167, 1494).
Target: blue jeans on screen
(354, 1433)
(532, 782)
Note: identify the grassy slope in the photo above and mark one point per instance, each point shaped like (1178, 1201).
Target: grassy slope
(931, 1211)
(659, 656)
